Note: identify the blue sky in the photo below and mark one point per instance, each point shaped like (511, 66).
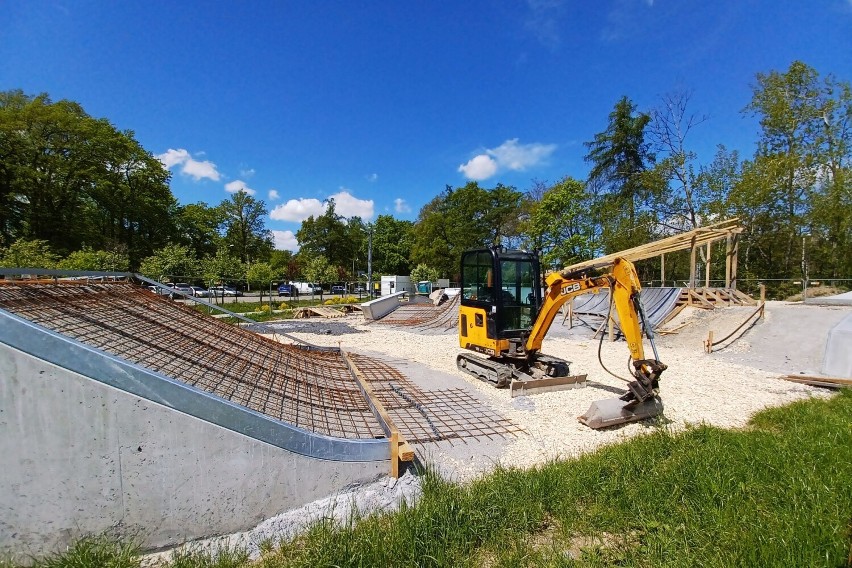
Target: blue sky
(382, 104)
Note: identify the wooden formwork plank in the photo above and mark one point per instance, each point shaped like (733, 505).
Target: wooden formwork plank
(828, 382)
(399, 448)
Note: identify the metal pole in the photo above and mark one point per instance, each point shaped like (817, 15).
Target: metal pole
(370, 264)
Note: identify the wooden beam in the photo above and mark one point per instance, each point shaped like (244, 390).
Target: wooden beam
(399, 448)
(662, 269)
(682, 241)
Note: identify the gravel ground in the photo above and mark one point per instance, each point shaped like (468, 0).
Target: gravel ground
(724, 389)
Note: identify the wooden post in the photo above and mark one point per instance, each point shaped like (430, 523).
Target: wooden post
(394, 454)
(762, 299)
(728, 249)
(708, 344)
(611, 329)
(692, 264)
(662, 270)
(734, 255)
(707, 267)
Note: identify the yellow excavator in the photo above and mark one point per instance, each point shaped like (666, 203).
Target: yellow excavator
(505, 314)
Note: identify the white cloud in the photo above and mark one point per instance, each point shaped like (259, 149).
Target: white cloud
(400, 206)
(345, 204)
(479, 167)
(297, 210)
(507, 156)
(238, 185)
(189, 166)
(348, 205)
(375, 177)
(247, 173)
(273, 195)
(285, 240)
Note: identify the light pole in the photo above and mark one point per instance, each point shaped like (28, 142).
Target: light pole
(370, 263)
(805, 235)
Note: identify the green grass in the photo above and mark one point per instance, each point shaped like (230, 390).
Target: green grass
(778, 493)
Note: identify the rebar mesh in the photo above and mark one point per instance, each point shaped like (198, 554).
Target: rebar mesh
(309, 388)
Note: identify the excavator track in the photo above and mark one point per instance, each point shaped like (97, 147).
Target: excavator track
(485, 369)
(543, 374)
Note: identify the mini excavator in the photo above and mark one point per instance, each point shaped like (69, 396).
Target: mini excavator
(505, 314)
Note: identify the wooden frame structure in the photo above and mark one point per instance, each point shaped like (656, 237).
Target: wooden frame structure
(728, 231)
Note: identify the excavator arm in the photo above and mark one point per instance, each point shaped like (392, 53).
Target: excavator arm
(623, 283)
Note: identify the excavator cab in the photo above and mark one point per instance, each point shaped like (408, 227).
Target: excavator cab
(501, 294)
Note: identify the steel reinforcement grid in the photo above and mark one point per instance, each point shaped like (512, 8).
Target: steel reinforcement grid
(306, 386)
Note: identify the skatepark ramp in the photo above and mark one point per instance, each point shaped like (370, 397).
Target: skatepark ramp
(127, 412)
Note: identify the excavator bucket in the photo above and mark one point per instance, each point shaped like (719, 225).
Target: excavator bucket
(614, 411)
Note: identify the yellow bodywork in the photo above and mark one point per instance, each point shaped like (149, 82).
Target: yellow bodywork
(622, 280)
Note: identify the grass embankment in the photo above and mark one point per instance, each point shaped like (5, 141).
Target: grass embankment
(277, 309)
(778, 493)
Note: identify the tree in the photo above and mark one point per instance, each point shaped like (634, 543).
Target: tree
(679, 202)
(261, 275)
(423, 272)
(800, 172)
(320, 271)
(559, 225)
(198, 227)
(619, 157)
(392, 240)
(174, 262)
(222, 268)
(332, 236)
(28, 254)
(102, 260)
(465, 218)
(73, 180)
(245, 228)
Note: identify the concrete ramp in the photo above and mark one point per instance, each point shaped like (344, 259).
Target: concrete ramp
(837, 361)
(123, 411)
(658, 303)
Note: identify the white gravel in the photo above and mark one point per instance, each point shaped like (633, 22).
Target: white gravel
(697, 387)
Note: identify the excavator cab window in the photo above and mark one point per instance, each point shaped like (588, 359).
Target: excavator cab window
(518, 296)
(506, 285)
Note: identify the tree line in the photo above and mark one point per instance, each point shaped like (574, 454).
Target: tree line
(77, 193)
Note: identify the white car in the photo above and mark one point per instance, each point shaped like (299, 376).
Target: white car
(199, 292)
(220, 291)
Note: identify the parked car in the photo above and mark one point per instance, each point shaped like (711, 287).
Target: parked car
(183, 287)
(288, 290)
(199, 292)
(221, 291)
(307, 287)
(338, 289)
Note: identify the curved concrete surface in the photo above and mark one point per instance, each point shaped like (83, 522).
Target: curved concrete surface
(82, 457)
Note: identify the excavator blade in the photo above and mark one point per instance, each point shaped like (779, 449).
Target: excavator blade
(547, 384)
(614, 411)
